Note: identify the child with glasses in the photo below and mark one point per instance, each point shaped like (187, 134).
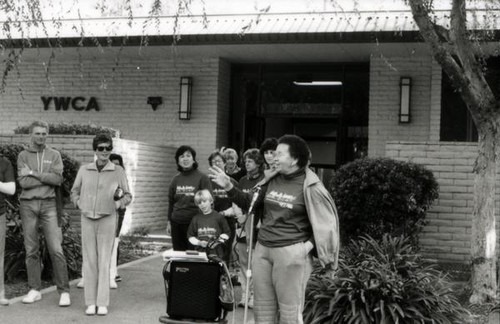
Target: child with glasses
(94, 194)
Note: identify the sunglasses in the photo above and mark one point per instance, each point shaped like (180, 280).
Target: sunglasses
(102, 148)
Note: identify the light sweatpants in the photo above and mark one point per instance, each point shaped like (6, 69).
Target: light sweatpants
(280, 277)
(97, 246)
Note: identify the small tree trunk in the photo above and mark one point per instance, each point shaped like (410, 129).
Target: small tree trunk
(483, 239)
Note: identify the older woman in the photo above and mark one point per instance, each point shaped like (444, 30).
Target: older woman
(232, 168)
(254, 165)
(223, 204)
(94, 194)
(299, 220)
(181, 206)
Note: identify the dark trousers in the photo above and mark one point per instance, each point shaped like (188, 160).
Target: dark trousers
(231, 221)
(179, 236)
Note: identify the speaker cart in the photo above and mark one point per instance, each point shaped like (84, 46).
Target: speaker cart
(192, 288)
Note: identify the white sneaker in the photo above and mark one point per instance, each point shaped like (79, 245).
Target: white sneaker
(65, 300)
(90, 310)
(112, 284)
(102, 310)
(3, 301)
(32, 296)
(80, 284)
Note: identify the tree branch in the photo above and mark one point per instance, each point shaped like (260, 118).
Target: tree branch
(466, 75)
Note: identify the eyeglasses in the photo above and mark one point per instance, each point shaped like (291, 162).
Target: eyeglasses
(102, 148)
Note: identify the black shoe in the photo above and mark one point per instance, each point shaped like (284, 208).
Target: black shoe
(118, 278)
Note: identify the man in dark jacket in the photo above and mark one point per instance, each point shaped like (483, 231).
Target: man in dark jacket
(40, 170)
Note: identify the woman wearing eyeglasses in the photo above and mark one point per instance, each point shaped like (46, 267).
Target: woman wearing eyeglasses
(93, 193)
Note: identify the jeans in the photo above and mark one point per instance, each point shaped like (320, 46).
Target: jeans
(280, 277)
(43, 212)
(3, 226)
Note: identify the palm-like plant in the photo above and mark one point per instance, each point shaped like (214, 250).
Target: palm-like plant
(382, 282)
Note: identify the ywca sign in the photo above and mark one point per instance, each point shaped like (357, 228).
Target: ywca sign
(77, 103)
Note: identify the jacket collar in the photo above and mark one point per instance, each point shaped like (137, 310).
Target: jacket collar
(31, 148)
(311, 178)
(110, 166)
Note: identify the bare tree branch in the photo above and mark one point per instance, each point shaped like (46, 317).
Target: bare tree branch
(467, 71)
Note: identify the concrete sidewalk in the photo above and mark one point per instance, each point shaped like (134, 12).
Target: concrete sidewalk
(140, 298)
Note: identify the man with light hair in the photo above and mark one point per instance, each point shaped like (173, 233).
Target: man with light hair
(40, 170)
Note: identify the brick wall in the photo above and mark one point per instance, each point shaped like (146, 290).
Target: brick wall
(384, 101)
(447, 236)
(149, 170)
(121, 80)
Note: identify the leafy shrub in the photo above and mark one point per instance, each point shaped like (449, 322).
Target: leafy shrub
(73, 129)
(379, 195)
(15, 253)
(382, 282)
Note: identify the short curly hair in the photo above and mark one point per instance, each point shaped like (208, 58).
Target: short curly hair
(297, 148)
(100, 139)
(254, 154)
(269, 144)
(213, 155)
(229, 151)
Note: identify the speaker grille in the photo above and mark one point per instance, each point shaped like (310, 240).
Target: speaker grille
(193, 290)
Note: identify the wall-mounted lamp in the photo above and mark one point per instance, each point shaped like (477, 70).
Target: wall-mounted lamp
(154, 102)
(404, 105)
(185, 99)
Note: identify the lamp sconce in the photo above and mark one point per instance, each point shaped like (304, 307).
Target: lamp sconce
(185, 98)
(154, 102)
(404, 105)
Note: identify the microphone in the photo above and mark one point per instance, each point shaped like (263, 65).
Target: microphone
(254, 199)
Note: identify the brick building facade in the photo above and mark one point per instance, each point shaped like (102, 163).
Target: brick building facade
(122, 78)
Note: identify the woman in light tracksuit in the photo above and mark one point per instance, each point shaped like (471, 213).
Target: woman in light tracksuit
(93, 193)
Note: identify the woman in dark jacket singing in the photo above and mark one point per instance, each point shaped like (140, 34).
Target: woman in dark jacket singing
(299, 220)
(181, 206)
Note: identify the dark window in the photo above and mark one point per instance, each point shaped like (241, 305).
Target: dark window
(456, 121)
(325, 103)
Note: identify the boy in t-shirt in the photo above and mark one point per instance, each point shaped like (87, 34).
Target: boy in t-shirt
(208, 227)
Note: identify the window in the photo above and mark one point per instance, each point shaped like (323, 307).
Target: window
(456, 121)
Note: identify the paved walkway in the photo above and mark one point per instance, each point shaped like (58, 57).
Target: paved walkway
(140, 298)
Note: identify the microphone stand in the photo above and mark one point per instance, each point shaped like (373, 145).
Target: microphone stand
(248, 273)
